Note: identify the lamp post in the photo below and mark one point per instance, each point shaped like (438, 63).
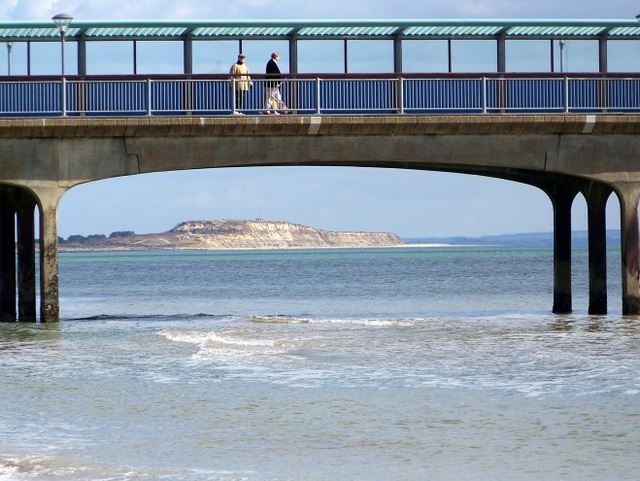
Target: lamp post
(561, 43)
(62, 21)
(9, 45)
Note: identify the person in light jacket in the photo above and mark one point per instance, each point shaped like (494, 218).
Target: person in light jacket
(240, 72)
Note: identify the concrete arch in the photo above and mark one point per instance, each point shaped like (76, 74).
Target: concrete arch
(561, 191)
(560, 154)
(19, 210)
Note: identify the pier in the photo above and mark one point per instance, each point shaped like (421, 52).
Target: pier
(566, 134)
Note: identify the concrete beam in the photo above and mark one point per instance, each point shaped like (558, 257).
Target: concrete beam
(285, 126)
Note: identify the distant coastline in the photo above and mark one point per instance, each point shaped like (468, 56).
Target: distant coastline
(262, 234)
(230, 234)
(578, 238)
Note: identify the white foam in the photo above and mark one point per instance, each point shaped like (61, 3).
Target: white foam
(8, 472)
(278, 320)
(214, 338)
(230, 346)
(210, 338)
(23, 467)
(368, 322)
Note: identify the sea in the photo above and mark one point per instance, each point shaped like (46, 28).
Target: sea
(408, 363)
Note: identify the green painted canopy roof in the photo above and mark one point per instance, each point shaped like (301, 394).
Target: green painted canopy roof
(318, 29)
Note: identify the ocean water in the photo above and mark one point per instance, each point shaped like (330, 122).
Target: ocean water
(307, 365)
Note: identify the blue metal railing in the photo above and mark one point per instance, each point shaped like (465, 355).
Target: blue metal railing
(382, 94)
(434, 95)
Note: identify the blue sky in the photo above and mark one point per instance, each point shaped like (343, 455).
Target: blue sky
(409, 203)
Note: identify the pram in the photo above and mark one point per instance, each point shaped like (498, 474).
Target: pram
(273, 101)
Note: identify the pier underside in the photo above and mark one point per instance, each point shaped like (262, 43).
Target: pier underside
(43, 158)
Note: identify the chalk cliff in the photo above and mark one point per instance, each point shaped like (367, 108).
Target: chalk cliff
(238, 234)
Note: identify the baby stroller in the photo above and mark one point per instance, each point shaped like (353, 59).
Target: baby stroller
(273, 101)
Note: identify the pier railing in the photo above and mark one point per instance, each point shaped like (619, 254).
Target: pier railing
(318, 95)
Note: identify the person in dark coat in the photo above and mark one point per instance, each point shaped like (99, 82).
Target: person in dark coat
(272, 97)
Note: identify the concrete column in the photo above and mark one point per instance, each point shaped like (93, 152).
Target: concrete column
(562, 198)
(629, 196)
(49, 299)
(596, 196)
(26, 258)
(7, 260)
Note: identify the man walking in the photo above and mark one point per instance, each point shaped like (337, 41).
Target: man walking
(272, 97)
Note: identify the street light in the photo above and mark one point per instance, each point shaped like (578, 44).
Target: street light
(561, 42)
(62, 21)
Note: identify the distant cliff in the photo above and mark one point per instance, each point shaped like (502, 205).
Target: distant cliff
(233, 234)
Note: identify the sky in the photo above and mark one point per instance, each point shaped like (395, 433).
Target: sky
(408, 203)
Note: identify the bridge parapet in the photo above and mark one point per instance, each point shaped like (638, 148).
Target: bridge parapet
(322, 95)
(191, 126)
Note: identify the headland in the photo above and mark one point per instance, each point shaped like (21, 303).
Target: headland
(231, 234)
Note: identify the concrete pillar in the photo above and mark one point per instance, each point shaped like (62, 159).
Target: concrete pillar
(596, 196)
(26, 257)
(629, 196)
(7, 260)
(49, 299)
(562, 198)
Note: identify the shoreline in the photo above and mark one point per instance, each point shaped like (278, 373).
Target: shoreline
(160, 249)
